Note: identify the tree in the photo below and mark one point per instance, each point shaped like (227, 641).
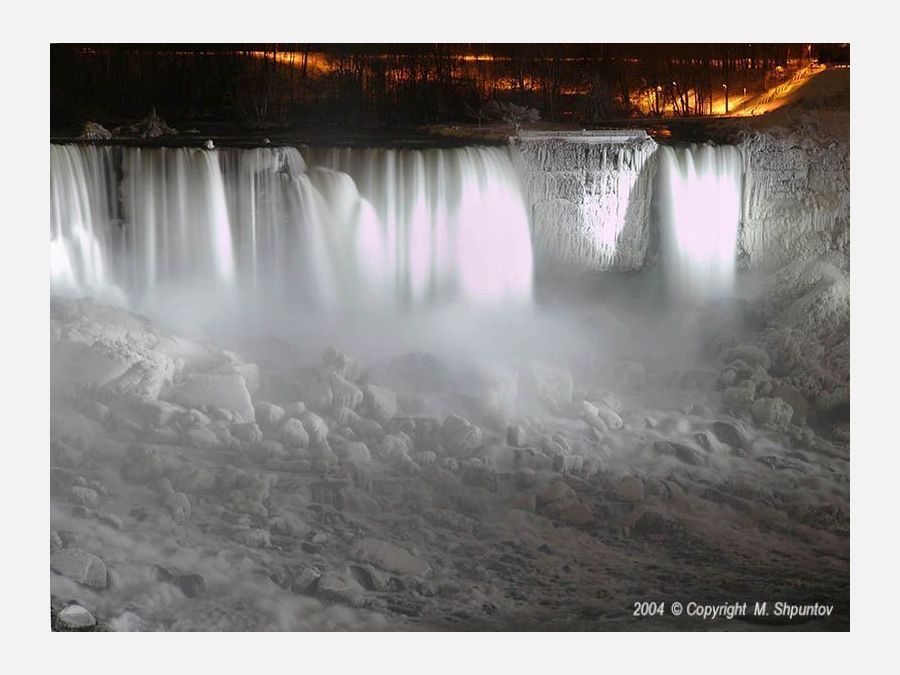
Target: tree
(511, 113)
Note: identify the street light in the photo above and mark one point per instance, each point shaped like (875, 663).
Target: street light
(725, 87)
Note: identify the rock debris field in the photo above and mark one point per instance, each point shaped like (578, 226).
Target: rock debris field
(200, 488)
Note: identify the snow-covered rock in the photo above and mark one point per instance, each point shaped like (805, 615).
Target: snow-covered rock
(215, 390)
(80, 566)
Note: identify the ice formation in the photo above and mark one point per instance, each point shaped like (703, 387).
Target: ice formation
(590, 200)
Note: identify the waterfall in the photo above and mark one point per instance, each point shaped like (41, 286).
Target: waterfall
(698, 206)
(339, 229)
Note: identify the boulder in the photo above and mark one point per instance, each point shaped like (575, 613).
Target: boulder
(749, 354)
(577, 514)
(315, 427)
(629, 489)
(94, 131)
(293, 433)
(355, 452)
(389, 557)
(248, 432)
(381, 402)
(773, 412)
(317, 395)
(215, 390)
(344, 392)
(294, 409)
(556, 497)
(341, 588)
(460, 438)
(268, 415)
(80, 566)
(75, 617)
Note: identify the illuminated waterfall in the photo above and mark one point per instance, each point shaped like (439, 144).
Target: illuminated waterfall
(698, 205)
(347, 229)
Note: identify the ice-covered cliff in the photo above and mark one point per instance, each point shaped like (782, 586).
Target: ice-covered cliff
(796, 197)
(590, 199)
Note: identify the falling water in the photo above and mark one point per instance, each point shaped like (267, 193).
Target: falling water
(346, 229)
(698, 206)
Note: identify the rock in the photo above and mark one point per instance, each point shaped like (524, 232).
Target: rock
(681, 452)
(268, 415)
(738, 398)
(191, 585)
(85, 496)
(389, 557)
(652, 523)
(94, 131)
(145, 463)
(525, 478)
(570, 464)
(315, 427)
(749, 354)
(317, 395)
(75, 617)
(190, 419)
(152, 126)
(344, 392)
(426, 458)
(201, 438)
(341, 588)
(305, 580)
(774, 412)
(214, 390)
(728, 433)
(381, 403)
(355, 452)
(555, 498)
(80, 566)
(294, 409)
(393, 448)
(178, 505)
(478, 475)
(609, 416)
(794, 398)
(524, 502)
(345, 417)
(255, 537)
(630, 489)
(248, 432)
(93, 410)
(460, 438)
(543, 385)
(293, 433)
(369, 430)
(110, 520)
(577, 514)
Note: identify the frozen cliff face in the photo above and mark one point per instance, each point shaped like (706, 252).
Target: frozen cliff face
(796, 197)
(806, 305)
(590, 200)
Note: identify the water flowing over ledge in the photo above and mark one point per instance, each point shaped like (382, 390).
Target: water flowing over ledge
(339, 230)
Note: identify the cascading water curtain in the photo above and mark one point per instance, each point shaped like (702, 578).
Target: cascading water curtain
(698, 205)
(349, 229)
